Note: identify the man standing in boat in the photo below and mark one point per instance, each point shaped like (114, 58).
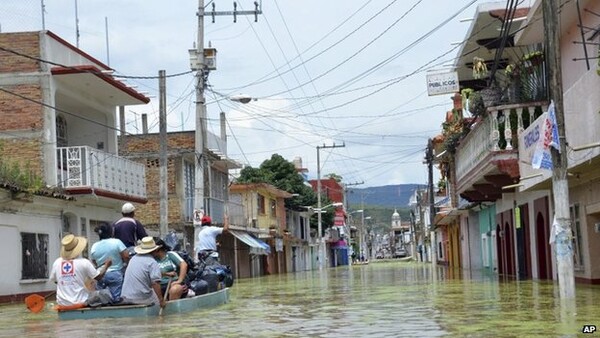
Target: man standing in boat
(207, 240)
(128, 229)
(141, 284)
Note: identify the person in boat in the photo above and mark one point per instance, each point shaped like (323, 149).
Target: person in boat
(73, 274)
(207, 240)
(114, 249)
(141, 284)
(128, 229)
(173, 268)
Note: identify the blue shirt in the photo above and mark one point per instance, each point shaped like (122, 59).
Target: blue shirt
(105, 248)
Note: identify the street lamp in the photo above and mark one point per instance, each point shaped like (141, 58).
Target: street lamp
(241, 98)
(321, 248)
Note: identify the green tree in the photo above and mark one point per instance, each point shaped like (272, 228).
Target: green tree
(282, 174)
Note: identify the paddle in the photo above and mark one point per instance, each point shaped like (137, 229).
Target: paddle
(165, 296)
(36, 303)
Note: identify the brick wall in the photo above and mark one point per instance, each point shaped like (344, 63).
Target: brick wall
(150, 143)
(17, 114)
(25, 152)
(25, 43)
(145, 149)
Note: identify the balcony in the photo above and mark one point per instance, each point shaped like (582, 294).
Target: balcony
(86, 170)
(487, 158)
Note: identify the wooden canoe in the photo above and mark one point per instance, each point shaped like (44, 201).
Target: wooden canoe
(205, 301)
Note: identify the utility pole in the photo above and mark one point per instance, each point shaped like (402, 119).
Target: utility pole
(347, 204)
(321, 247)
(162, 124)
(201, 182)
(560, 184)
(432, 241)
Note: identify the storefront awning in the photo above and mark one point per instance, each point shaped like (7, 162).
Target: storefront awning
(257, 247)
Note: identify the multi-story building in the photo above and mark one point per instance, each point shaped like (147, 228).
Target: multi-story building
(504, 223)
(58, 106)
(264, 210)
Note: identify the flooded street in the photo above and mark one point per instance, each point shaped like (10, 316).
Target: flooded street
(391, 299)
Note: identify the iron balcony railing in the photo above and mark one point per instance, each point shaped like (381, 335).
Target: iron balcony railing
(87, 167)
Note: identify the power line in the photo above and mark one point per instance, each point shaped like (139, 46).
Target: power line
(267, 78)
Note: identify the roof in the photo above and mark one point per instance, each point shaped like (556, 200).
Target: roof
(45, 192)
(85, 71)
(103, 85)
(482, 39)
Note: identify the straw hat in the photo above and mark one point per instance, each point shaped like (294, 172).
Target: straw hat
(148, 245)
(72, 246)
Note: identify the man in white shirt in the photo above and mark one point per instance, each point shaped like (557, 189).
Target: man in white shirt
(207, 238)
(72, 273)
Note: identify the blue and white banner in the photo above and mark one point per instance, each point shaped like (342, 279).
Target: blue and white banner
(542, 159)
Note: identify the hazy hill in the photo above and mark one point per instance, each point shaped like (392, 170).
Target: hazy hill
(391, 196)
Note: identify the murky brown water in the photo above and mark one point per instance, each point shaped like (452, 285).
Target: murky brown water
(394, 299)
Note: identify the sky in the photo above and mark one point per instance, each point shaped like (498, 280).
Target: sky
(349, 73)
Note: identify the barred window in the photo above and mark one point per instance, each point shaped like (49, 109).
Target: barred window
(35, 255)
(577, 243)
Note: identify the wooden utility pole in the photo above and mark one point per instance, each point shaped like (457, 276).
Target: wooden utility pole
(560, 186)
(162, 125)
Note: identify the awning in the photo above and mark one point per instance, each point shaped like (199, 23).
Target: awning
(257, 247)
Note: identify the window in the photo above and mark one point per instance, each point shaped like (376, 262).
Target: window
(219, 182)
(273, 208)
(35, 255)
(261, 204)
(61, 131)
(577, 243)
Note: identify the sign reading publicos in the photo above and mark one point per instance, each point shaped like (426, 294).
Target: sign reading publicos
(442, 83)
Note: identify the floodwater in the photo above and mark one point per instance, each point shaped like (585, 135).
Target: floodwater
(383, 299)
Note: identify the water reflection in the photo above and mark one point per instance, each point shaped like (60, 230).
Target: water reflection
(394, 299)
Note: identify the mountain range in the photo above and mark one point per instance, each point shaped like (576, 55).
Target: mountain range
(391, 196)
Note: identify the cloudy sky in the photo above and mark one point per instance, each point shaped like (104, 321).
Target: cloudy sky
(322, 72)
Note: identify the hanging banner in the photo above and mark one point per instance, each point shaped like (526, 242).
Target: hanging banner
(517, 218)
(542, 158)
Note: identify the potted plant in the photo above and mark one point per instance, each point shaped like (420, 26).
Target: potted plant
(480, 69)
(466, 96)
(476, 105)
(533, 59)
